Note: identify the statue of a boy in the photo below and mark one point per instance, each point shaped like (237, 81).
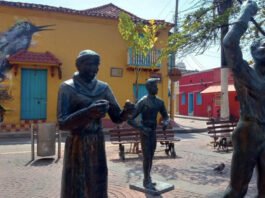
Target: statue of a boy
(148, 107)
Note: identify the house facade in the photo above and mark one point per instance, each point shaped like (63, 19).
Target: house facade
(200, 94)
(38, 48)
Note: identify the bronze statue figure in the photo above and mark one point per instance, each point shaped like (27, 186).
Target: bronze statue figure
(82, 102)
(249, 135)
(148, 108)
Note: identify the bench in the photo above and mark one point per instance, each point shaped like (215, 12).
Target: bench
(221, 131)
(129, 135)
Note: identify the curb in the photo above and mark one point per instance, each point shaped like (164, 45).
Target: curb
(26, 135)
(11, 135)
(22, 135)
(192, 117)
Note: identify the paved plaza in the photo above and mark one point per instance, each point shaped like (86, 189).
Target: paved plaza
(191, 172)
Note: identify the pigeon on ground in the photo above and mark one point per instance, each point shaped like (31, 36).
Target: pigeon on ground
(219, 168)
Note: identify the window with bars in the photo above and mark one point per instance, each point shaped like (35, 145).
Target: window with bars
(138, 59)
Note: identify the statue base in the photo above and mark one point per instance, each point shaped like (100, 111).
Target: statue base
(161, 187)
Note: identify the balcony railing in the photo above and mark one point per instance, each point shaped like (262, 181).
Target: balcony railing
(138, 59)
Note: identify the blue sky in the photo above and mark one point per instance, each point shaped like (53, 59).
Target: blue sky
(147, 9)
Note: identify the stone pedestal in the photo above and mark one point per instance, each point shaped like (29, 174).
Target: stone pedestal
(161, 187)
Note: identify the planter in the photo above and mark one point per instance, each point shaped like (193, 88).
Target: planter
(174, 74)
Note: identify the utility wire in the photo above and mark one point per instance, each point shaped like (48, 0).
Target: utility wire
(195, 63)
(172, 11)
(191, 66)
(213, 56)
(168, 3)
(194, 59)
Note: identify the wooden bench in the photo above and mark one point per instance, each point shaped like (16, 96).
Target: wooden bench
(129, 135)
(221, 131)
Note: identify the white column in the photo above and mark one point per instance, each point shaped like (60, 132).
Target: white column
(224, 94)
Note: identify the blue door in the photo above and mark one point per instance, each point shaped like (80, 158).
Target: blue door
(141, 91)
(190, 104)
(33, 94)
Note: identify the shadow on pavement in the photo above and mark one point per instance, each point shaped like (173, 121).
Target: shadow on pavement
(223, 151)
(43, 162)
(186, 136)
(139, 158)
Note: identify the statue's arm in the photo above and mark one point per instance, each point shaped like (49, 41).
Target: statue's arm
(231, 41)
(164, 114)
(132, 121)
(117, 115)
(138, 125)
(68, 120)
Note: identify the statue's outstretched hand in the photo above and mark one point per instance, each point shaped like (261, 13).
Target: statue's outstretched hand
(250, 7)
(165, 124)
(129, 108)
(98, 109)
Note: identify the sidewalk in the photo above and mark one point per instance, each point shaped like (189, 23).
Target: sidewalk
(191, 172)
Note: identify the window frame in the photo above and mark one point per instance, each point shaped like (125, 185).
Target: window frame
(198, 98)
(183, 99)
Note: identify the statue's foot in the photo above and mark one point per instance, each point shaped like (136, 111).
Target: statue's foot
(150, 186)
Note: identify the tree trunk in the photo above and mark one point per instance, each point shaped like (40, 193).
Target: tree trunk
(137, 70)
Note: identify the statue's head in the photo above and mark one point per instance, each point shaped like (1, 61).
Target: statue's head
(87, 63)
(151, 86)
(257, 49)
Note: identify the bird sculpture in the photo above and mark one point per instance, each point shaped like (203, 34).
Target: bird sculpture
(17, 38)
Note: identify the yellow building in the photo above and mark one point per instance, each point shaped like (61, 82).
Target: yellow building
(38, 48)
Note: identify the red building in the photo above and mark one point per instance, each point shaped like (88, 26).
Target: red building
(200, 94)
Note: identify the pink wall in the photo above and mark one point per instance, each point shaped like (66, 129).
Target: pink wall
(197, 82)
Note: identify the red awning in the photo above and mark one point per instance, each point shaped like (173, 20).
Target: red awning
(217, 89)
(24, 56)
(35, 58)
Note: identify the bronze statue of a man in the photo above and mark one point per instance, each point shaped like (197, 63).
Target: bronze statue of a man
(249, 135)
(148, 108)
(82, 102)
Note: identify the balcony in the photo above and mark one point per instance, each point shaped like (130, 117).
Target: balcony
(148, 62)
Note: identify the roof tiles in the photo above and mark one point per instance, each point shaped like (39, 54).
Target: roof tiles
(109, 11)
(34, 57)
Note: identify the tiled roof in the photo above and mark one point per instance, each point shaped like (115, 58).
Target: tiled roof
(109, 11)
(112, 11)
(24, 56)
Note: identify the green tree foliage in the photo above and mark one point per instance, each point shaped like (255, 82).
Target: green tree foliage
(200, 28)
(141, 37)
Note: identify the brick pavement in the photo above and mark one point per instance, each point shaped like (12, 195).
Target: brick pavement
(191, 172)
(21, 179)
